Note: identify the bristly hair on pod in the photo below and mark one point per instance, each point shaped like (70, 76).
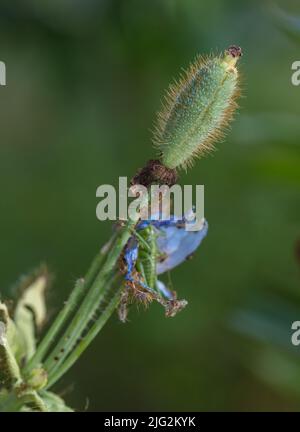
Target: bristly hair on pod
(197, 109)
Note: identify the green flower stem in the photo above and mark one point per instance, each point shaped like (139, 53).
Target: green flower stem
(84, 343)
(49, 338)
(78, 326)
(76, 295)
(90, 304)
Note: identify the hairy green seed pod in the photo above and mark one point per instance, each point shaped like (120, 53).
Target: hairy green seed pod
(198, 108)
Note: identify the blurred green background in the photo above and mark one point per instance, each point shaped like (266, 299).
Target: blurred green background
(84, 80)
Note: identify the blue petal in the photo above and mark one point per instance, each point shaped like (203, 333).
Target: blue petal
(177, 244)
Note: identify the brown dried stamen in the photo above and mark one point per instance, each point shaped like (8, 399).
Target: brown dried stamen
(155, 173)
(235, 51)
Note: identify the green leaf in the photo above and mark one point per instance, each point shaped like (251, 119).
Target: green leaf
(9, 369)
(30, 311)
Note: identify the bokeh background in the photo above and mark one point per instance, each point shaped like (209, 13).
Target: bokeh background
(84, 80)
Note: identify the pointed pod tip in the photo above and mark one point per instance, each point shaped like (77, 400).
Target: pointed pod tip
(234, 51)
